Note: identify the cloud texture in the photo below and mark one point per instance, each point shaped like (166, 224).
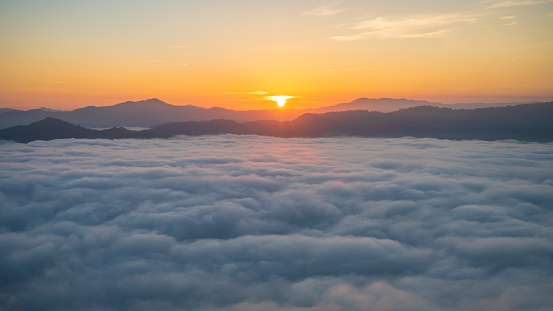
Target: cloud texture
(422, 26)
(259, 223)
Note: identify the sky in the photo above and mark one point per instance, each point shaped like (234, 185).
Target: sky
(255, 223)
(65, 54)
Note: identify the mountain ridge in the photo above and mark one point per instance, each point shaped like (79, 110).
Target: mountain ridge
(529, 122)
(153, 111)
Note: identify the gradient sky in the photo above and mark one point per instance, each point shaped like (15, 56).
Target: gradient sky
(67, 54)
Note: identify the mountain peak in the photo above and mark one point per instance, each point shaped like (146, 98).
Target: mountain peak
(48, 109)
(50, 121)
(375, 104)
(154, 100)
(146, 102)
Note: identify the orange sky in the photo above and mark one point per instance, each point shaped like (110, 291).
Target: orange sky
(68, 54)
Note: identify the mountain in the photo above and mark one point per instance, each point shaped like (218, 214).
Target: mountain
(393, 104)
(152, 112)
(2, 110)
(146, 113)
(46, 129)
(19, 117)
(49, 110)
(373, 104)
(485, 105)
(51, 128)
(529, 122)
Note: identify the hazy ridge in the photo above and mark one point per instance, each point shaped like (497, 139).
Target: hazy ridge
(529, 122)
(152, 112)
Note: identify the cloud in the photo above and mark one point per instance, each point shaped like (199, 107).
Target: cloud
(278, 97)
(421, 26)
(511, 20)
(250, 93)
(256, 223)
(496, 4)
(325, 10)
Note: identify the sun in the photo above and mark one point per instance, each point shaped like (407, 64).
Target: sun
(280, 99)
(281, 102)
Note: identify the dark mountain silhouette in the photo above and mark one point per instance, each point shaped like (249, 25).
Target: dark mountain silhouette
(484, 105)
(51, 128)
(393, 104)
(46, 129)
(529, 122)
(152, 112)
(373, 104)
(146, 113)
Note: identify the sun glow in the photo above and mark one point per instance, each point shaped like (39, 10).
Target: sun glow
(280, 100)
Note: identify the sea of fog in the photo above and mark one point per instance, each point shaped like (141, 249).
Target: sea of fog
(259, 223)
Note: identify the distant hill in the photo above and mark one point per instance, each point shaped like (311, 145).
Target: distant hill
(392, 104)
(529, 122)
(50, 110)
(2, 110)
(51, 128)
(146, 113)
(152, 112)
(373, 104)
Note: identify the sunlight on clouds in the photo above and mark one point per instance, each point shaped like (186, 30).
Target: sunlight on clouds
(280, 99)
(422, 26)
(325, 10)
(495, 4)
(511, 20)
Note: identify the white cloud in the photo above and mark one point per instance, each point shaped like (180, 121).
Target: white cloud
(255, 223)
(495, 4)
(421, 26)
(511, 20)
(325, 10)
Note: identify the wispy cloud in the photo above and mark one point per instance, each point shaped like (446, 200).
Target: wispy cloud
(420, 26)
(511, 20)
(278, 97)
(254, 93)
(495, 4)
(325, 10)
(249, 93)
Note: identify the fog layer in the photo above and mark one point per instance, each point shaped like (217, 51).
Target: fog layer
(258, 223)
